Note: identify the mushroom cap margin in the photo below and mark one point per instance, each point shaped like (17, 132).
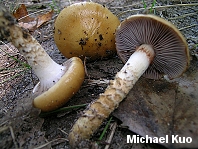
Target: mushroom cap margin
(64, 89)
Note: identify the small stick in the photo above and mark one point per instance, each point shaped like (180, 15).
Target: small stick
(100, 81)
(42, 146)
(11, 132)
(13, 137)
(188, 27)
(183, 16)
(110, 137)
(62, 131)
(158, 8)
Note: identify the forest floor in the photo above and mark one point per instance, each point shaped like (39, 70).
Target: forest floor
(20, 123)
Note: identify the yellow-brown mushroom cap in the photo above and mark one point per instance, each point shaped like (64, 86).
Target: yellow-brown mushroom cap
(64, 89)
(86, 29)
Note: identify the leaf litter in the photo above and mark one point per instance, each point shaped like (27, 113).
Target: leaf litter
(160, 108)
(30, 23)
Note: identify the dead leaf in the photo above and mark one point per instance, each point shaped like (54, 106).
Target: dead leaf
(21, 14)
(160, 108)
(30, 23)
(44, 18)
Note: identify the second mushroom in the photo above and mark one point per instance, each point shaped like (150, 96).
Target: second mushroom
(58, 83)
(86, 29)
(149, 46)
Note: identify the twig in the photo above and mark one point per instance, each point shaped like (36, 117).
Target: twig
(128, 6)
(12, 77)
(158, 8)
(6, 70)
(110, 137)
(70, 2)
(13, 137)
(12, 134)
(183, 16)
(100, 81)
(188, 27)
(39, 147)
(86, 72)
(63, 131)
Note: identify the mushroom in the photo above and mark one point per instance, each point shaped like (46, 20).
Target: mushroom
(148, 45)
(86, 29)
(58, 83)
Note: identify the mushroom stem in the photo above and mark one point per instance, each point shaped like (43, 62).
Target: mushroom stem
(48, 71)
(116, 91)
(137, 64)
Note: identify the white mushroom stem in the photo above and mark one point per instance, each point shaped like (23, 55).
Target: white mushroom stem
(48, 71)
(117, 90)
(136, 64)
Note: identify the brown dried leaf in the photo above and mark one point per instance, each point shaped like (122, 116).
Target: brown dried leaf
(30, 23)
(44, 18)
(21, 14)
(160, 108)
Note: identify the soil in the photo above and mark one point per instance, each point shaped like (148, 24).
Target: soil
(20, 123)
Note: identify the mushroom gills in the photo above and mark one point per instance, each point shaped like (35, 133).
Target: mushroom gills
(64, 88)
(48, 77)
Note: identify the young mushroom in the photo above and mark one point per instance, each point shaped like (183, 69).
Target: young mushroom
(58, 83)
(86, 29)
(148, 45)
